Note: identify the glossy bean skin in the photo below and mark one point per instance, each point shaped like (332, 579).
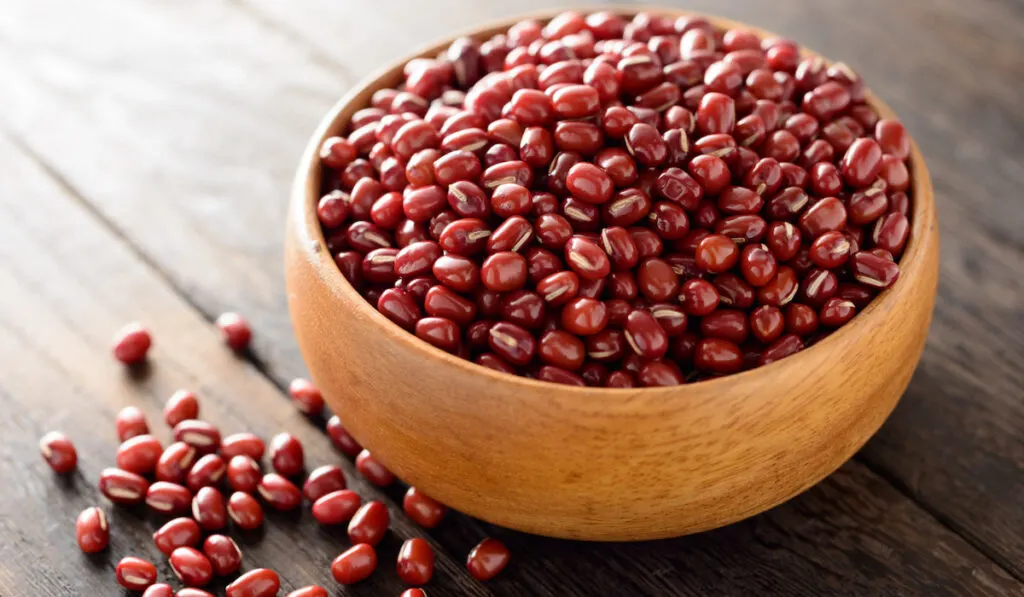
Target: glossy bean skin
(487, 559)
(180, 532)
(369, 524)
(280, 493)
(245, 511)
(168, 498)
(422, 509)
(415, 562)
(92, 530)
(223, 553)
(131, 422)
(323, 480)
(123, 487)
(355, 564)
(191, 566)
(260, 582)
(645, 335)
(336, 507)
(135, 574)
(374, 470)
(58, 452)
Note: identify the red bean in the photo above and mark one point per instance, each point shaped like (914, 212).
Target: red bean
(717, 355)
(413, 593)
(645, 336)
(717, 253)
(836, 312)
(767, 323)
(781, 289)
(576, 101)
(245, 511)
(181, 406)
(209, 509)
(201, 435)
(587, 258)
(279, 492)
(698, 297)
(584, 316)
(487, 559)
(861, 163)
(337, 152)
(589, 183)
(323, 480)
(784, 240)
(130, 422)
(243, 473)
(415, 562)
(355, 564)
(58, 452)
(830, 250)
(336, 507)
(286, 454)
(801, 319)
(892, 138)
(891, 232)
(159, 590)
(235, 330)
(224, 555)
(660, 374)
(180, 532)
(872, 270)
(503, 271)
(122, 487)
(340, 437)
(92, 531)
(399, 307)
(193, 592)
(260, 582)
(131, 343)
(191, 567)
(758, 264)
(727, 324)
(373, 469)
(135, 574)
(369, 524)
(315, 591)
(168, 498)
(781, 348)
(207, 471)
(646, 145)
(422, 509)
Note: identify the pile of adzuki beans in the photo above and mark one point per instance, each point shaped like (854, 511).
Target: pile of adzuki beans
(183, 484)
(619, 203)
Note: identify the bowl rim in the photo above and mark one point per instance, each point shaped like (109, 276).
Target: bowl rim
(307, 184)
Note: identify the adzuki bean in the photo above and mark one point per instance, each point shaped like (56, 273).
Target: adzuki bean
(616, 203)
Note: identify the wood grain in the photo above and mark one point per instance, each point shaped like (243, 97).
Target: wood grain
(156, 105)
(68, 284)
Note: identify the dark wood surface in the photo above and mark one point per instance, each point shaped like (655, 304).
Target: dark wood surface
(146, 152)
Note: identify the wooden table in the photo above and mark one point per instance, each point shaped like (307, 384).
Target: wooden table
(145, 156)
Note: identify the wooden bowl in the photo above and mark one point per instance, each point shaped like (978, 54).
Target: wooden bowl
(600, 464)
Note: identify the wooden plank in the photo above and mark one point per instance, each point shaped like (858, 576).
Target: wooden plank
(198, 110)
(68, 284)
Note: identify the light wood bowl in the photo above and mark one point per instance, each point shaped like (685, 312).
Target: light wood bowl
(600, 464)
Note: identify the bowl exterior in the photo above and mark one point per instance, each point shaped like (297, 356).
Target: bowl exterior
(601, 464)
